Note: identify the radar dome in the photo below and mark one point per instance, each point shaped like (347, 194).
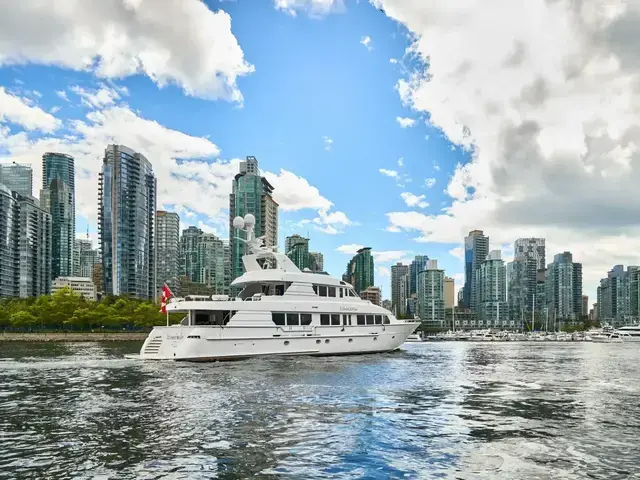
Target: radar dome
(238, 222)
(249, 220)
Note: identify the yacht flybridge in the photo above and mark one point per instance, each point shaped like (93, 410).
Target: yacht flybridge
(280, 310)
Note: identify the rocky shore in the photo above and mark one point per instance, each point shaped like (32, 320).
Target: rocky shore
(73, 337)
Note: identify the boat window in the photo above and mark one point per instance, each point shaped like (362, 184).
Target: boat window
(332, 291)
(346, 319)
(335, 319)
(322, 290)
(369, 319)
(324, 319)
(315, 289)
(305, 319)
(292, 319)
(387, 320)
(202, 319)
(378, 319)
(279, 290)
(278, 318)
(361, 320)
(340, 292)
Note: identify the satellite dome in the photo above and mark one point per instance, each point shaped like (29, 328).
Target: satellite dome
(238, 222)
(249, 220)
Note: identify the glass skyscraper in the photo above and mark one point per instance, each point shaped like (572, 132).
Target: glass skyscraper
(17, 178)
(35, 248)
(59, 198)
(167, 244)
(476, 249)
(297, 249)
(126, 221)
(9, 233)
(360, 270)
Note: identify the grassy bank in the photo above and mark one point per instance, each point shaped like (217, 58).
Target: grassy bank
(73, 337)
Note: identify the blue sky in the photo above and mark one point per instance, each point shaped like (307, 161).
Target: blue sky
(394, 124)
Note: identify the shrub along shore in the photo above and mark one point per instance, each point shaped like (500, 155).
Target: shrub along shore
(67, 316)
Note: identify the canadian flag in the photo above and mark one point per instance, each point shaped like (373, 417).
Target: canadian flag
(166, 295)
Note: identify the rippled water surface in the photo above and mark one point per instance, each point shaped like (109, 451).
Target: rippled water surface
(432, 410)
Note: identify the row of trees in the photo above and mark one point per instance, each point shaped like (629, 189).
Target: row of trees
(65, 310)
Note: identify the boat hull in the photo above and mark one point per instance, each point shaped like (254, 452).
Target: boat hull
(211, 343)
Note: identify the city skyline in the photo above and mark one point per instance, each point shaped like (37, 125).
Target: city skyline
(361, 147)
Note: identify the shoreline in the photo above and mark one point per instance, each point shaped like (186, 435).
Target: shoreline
(73, 337)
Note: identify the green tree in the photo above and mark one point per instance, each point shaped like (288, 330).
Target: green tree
(23, 319)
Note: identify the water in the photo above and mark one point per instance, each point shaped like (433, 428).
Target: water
(433, 410)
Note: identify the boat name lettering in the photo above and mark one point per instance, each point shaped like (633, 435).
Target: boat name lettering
(348, 309)
(175, 337)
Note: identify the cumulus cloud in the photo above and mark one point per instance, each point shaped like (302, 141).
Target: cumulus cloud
(405, 122)
(413, 200)
(295, 193)
(328, 143)
(331, 223)
(101, 97)
(179, 42)
(545, 98)
(429, 182)
(314, 8)
(366, 41)
(389, 173)
(19, 110)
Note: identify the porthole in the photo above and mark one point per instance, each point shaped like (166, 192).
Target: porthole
(286, 342)
(350, 340)
(318, 341)
(375, 338)
(393, 336)
(327, 341)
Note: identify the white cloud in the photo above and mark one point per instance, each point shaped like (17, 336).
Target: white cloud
(178, 42)
(436, 167)
(314, 8)
(350, 249)
(429, 182)
(549, 116)
(413, 200)
(366, 41)
(401, 162)
(405, 122)
(294, 193)
(17, 110)
(389, 173)
(206, 228)
(328, 143)
(331, 222)
(383, 271)
(457, 252)
(54, 110)
(62, 94)
(102, 97)
(393, 61)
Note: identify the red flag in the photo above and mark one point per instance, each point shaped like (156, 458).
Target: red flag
(166, 295)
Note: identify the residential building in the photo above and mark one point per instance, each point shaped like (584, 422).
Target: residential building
(316, 259)
(211, 264)
(618, 296)
(17, 178)
(98, 278)
(9, 239)
(373, 294)
(81, 285)
(460, 319)
(126, 223)
(491, 293)
(360, 273)
(564, 288)
(585, 305)
(413, 306)
(253, 194)
(35, 245)
(85, 257)
(188, 254)
(297, 249)
(449, 292)
(431, 296)
(418, 264)
(58, 197)
(167, 248)
(476, 249)
(531, 248)
(386, 304)
(521, 287)
(400, 288)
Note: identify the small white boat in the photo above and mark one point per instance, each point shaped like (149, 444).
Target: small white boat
(611, 338)
(414, 337)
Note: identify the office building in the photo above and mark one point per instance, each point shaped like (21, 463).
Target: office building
(188, 254)
(564, 288)
(400, 288)
(359, 271)
(449, 292)
(373, 294)
(491, 293)
(618, 296)
(167, 248)
(253, 194)
(85, 257)
(585, 305)
(35, 244)
(521, 287)
(9, 239)
(297, 249)
(211, 264)
(81, 285)
(126, 220)
(476, 249)
(58, 197)
(418, 264)
(17, 178)
(316, 259)
(531, 248)
(431, 296)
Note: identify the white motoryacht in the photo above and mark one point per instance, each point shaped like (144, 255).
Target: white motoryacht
(280, 310)
(632, 333)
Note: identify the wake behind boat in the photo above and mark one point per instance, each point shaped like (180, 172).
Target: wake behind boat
(279, 311)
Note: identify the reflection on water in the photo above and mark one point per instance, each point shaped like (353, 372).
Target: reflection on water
(446, 410)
